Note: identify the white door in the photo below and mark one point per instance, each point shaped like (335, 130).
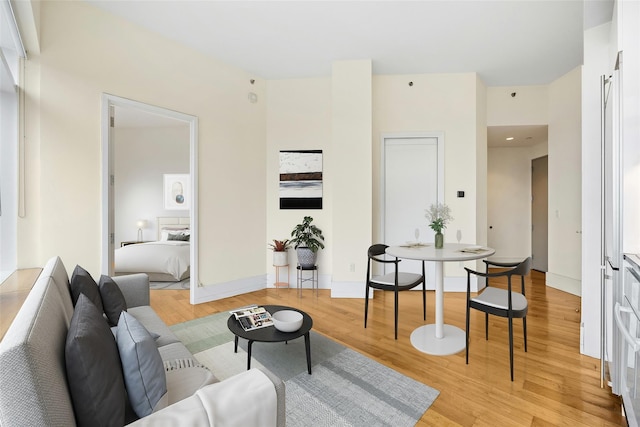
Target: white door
(412, 181)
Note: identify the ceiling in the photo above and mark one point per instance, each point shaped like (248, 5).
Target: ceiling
(507, 42)
(523, 136)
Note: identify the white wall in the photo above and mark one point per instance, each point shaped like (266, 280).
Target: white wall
(596, 63)
(629, 15)
(9, 174)
(509, 202)
(509, 169)
(565, 170)
(86, 52)
(142, 157)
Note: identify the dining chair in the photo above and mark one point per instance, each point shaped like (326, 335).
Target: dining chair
(395, 281)
(500, 302)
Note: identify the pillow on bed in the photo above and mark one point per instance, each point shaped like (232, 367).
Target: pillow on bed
(113, 301)
(166, 231)
(180, 237)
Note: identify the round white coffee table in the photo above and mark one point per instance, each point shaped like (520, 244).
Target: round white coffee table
(440, 339)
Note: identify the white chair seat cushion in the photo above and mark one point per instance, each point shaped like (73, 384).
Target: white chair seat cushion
(498, 298)
(403, 278)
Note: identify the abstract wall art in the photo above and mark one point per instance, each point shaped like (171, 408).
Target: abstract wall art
(300, 179)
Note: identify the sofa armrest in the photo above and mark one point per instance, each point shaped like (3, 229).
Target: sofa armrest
(225, 404)
(135, 288)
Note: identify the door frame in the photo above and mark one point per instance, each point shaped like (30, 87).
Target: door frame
(535, 232)
(108, 245)
(409, 135)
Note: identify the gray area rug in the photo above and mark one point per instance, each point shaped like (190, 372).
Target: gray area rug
(184, 284)
(346, 388)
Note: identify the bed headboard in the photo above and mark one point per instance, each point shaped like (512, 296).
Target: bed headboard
(172, 221)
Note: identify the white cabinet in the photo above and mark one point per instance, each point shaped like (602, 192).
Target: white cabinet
(628, 322)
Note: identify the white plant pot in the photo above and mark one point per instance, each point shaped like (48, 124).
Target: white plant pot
(280, 258)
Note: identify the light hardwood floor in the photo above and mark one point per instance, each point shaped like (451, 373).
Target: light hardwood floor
(554, 385)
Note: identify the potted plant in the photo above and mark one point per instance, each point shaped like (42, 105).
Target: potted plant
(279, 248)
(307, 239)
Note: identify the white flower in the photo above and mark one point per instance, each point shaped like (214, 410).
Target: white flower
(439, 215)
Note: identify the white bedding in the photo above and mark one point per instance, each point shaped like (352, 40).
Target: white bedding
(162, 261)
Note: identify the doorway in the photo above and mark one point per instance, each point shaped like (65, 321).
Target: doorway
(539, 215)
(109, 105)
(412, 180)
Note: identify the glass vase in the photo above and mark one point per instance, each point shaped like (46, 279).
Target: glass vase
(439, 240)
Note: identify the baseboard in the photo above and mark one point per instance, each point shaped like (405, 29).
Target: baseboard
(356, 289)
(324, 281)
(348, 290)
(338, 289)
(563, 283)
(229, 289)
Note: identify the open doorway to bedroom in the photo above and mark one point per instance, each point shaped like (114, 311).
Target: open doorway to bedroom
(149, 193)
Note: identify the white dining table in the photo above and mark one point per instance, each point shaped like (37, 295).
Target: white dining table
(439, 338)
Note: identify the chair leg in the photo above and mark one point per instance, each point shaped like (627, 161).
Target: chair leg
(511, 346)
(424, 300)
(366, 304)
(396, 311)
(524, 329)
(466, 335)
(424, 293)
(486, 326)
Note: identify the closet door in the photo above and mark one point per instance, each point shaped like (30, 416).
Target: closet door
(411, 183)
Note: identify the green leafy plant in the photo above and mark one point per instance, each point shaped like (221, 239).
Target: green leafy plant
(280, 245)
(439, 215)
(307, 235)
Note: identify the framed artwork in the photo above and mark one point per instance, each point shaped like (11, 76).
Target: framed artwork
(176, 191)
(301, 179)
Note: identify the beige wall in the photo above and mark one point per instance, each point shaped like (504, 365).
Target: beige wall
(565, 222)
(351, 171)
(530, 106)
(435, 103)
(298, 118)
(86, 52)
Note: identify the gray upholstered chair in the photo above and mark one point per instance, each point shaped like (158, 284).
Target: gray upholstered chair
(395, 281)
(500, 302)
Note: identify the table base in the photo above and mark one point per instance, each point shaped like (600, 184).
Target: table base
(424, 339)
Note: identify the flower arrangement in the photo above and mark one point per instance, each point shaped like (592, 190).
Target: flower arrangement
(439, 215)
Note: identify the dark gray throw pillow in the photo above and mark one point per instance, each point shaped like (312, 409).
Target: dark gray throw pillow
(93, 366)
(82, 283)
(144, 374)
(181, 237)
(113, 301)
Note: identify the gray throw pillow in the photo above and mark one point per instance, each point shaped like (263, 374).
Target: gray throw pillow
(143, 369)
(93, 366)
(82, 283)
(113, 301)
(180, 237)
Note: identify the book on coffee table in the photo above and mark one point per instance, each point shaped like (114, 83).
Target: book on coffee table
(252, 317)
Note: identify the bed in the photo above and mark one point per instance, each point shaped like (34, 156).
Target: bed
(165, 260)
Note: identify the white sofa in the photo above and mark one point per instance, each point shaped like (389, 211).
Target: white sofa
(34, 388)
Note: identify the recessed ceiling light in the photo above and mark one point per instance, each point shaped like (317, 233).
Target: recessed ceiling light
(510, 138)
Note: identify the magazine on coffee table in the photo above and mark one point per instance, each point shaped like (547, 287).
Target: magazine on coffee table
(252, 317)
